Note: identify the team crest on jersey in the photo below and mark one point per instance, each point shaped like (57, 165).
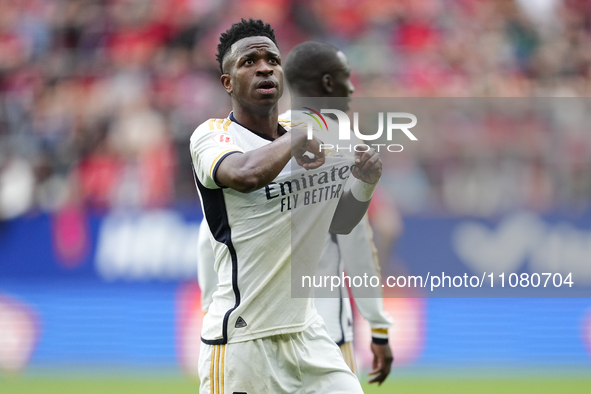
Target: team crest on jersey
(333, 153)
(223, 139)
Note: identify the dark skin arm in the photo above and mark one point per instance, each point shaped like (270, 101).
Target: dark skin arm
(382, 362)
(368, 168)
(254, 169)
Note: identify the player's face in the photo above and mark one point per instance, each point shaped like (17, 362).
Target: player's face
(342, 85)
(254, 73)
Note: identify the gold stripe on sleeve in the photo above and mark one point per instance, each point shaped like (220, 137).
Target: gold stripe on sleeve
(219, 123)
(379, 331)
(228, 123)
(210, 123)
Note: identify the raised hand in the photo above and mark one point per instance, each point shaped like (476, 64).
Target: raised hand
(301, 144)
(368, 166)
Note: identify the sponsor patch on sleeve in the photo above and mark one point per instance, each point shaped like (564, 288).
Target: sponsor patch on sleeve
(223, 139)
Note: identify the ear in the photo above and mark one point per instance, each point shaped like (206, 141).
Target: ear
(327, 83)
(227, 82)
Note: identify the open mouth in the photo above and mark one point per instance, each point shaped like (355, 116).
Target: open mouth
(266, 87)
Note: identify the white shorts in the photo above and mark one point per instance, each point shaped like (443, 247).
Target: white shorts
(300, 363)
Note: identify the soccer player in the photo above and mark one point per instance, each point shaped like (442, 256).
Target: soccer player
(256, 337)
(320, 70)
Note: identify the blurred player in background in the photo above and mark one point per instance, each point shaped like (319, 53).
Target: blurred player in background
(314, 69)
(256, 337)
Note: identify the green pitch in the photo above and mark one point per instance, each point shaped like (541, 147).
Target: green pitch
(47, 385)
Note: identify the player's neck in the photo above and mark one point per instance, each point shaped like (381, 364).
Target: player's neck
(263, 122)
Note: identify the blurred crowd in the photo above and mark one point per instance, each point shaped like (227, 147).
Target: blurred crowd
(98, 98)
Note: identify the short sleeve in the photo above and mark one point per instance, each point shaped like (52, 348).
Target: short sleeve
(210, 144)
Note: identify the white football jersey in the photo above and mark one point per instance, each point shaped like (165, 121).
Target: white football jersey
(206, 274)
(257, 233)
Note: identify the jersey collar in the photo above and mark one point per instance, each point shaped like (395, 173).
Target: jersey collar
(266, 137)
